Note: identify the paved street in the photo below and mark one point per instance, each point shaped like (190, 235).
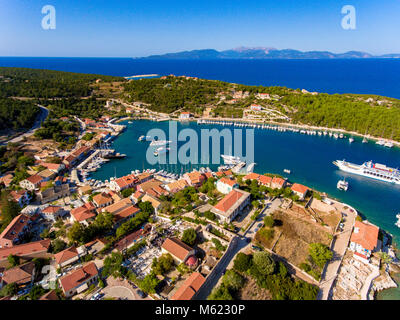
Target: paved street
(44, 112)
(338, 247)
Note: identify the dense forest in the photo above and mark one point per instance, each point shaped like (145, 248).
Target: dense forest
(60, 91)
(17, 114)
(34, 83)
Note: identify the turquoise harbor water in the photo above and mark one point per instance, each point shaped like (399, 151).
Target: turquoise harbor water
(308, 157)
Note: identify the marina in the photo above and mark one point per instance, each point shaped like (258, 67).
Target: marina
(309, 158)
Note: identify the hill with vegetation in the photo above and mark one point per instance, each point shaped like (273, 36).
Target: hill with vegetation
(64, 93)
(376, 115)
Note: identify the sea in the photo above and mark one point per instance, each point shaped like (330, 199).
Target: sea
(308, 157)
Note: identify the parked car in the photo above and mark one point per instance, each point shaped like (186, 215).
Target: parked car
(141, 293)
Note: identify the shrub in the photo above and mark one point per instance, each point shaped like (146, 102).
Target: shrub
(242, 262)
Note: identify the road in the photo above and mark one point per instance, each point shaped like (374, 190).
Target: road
(43, 114)
(338, 247)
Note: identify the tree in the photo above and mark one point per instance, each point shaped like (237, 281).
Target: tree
(163, 264)
(9, 290)
(149, 283)
(264, 262)
(77, 232)
(58, 245)
(242, 262)
(127, 192)
(320, 254)
(233, 280)
(220, 293)
(13, 260)
(269, 221)
(189, 236)
(113, 265)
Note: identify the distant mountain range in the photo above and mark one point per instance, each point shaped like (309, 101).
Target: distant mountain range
(265, 53)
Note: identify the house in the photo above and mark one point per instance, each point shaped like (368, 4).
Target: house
(85, 190)
(79, 280)
(265, 180)
(185, 115)
(84, 214)
(176, 186)
(251, 176)
(263, 96)
(194, 178)
(122, 210)
(150, 184)
(153, 200)
(52, 213)
(55, 167)
(47, 174)
(299, 190)
(36, 249)
(278, 183)
(226, 185)
(6, 180)
(32, 182)
(21, 197)
(15, 231)
(94, 246)
(137, 196)
(102, 200)
(364, 239)
(133, 238)
(177, 249)
(53, 193)
(23, 274)
(67, 257)
(256, 107)
(189, 288)
(231, 205)
(123, 183)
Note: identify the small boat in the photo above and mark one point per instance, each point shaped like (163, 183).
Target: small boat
(287, 171)
(159, 142)
(130, 121)
(388, 144)
(342, 185)
(160, 151)
(351, 139)
(365, 140)
(380, 142)
(397, 224)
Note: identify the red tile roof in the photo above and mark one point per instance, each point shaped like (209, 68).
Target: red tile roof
(25, 249)
(365, 235)
(278, 181)
(229, 200)
(230, 182)
(299, 188)
(15, 227)
(176, 247)
(35, 179)
(83, 213)
(265, 180)
(189, 287)
(51, 209)
(66, 255)
(20, 274)
(251, 176)
(78, 276)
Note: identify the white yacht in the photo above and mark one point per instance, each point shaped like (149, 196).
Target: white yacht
(342, 185)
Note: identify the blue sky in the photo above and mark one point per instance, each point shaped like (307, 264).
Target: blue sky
(99, 28)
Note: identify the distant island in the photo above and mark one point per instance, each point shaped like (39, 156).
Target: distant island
(266, 53)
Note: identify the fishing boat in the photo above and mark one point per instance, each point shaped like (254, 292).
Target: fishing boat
(342, 185)
(287, 171)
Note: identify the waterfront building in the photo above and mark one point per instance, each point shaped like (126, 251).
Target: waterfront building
(185, 115)
(195, 178)
(231, 205)
(300, 190)
(226, 185)
(123, 183)
(278, 183)
(364, 239)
